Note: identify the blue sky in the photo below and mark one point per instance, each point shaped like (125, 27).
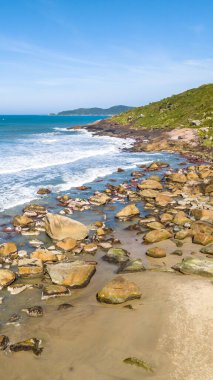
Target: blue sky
(64, 54)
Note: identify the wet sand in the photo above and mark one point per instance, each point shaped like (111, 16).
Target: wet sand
(170, 327)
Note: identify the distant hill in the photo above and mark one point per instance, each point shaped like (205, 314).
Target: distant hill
(115, 110)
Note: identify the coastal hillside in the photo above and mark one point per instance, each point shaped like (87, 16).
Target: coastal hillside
(96, 111)
(190, 108)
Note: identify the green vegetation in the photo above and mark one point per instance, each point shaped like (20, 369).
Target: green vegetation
(192, 108)
(96, 111)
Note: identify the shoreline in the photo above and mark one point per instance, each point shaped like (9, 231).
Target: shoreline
(156, 326)
(178, 140)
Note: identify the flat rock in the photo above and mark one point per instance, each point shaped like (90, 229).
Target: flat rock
(52, 291)
(118, 291)
(35, 208)
(45, 255)
(148, 193)
(99, 199)
(6, 277)
(76, 274)
(195, 266)
(60, 227)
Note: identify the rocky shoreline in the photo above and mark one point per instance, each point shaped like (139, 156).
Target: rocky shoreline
(185, 141)
(175, 235)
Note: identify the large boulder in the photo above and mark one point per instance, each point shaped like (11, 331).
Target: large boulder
(163, 200)
(203, 238)
(202, 227)
(8, 249)
(118, 291)
(22, 221)
(177, 177)
(6, 277)
(157, 235)
(128, 212)
(181, 218)
(150, 184)
(191, 265)
(60, 227)
(204, 215)
(76, 274)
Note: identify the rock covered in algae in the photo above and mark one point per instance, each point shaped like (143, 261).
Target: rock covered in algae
(191, 265)
(32, 344)
(138, 363)
(118, 291)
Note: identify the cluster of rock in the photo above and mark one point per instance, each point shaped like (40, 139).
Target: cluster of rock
(178, 205)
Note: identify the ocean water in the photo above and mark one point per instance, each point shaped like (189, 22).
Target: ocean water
(39, 151)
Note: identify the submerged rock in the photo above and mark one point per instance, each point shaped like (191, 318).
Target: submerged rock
(6, 277)
(128, 212)
(138, 363)
(130, 266)
(156, 252)
(32, 344)
(191, 265)
(43, 191)
(60, 227)
(157, 235)
(118, 291)
(52, 291)
(34, 311)
(76, 274)
(4, 341)
(116, 255)
(65, 306)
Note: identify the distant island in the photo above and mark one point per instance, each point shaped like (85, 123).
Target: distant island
(115, 110)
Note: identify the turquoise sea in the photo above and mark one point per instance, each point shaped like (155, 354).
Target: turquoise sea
(39, 151)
